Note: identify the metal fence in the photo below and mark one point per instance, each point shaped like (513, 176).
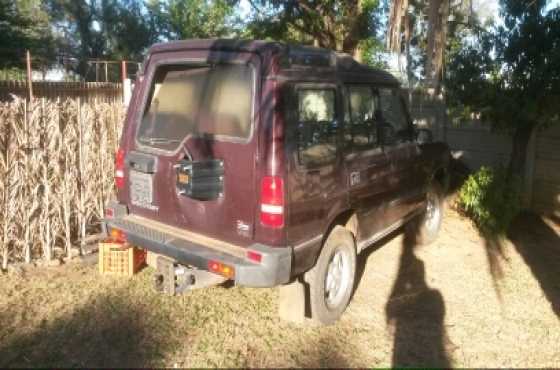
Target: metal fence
(106, 92)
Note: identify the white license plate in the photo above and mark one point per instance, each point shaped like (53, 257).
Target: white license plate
(141, 189)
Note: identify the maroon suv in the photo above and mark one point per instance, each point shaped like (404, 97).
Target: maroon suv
(264, 162)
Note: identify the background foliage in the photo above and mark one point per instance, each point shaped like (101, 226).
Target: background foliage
(492, 199)
(510, 73)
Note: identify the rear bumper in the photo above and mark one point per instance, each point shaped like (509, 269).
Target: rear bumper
(274, 268)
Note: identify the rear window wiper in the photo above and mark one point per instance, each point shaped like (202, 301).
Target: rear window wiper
(157, 140)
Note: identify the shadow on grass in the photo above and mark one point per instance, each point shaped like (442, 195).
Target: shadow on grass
(108, 331)
(321, 353)
(539, 246)
(416, 312)
(494, 248)
(493, 244)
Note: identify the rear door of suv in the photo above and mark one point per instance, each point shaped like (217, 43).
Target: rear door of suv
(194, 129)
(316, 177)
(405, 180)
(369, 167)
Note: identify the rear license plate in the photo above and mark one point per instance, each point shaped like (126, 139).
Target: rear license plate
(141, 190)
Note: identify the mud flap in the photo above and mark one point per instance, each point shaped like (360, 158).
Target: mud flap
(293, 302)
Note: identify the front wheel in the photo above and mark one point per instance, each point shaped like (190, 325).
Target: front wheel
(331, 280)
(430, 220)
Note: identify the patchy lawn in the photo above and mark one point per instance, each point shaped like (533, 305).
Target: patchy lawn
(460, 302)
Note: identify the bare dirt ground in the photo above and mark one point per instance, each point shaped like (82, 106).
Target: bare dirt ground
(461, 302)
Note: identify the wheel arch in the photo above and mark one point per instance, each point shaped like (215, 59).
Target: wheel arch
(306, 259)
(441, 175)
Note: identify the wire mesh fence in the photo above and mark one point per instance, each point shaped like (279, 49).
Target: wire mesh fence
(87, 91)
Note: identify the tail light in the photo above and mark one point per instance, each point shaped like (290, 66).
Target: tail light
(117, 236)
(272, 201)
(221, 268)
(119, 169)
(254, 256)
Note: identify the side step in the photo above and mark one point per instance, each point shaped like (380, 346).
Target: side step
(173, 278)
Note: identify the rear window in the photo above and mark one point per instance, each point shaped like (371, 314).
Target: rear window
(187, 100)
(317, 127)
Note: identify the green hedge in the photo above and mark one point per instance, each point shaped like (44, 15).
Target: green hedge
(491, 199)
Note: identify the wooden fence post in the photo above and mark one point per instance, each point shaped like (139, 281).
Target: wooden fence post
(47, 248)
(26, 186)
(7, 193)
(81, 187)
(29, 76)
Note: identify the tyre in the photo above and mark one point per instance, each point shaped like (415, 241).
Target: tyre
(429, 222)
(331, 280)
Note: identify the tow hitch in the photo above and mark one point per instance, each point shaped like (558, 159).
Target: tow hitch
(173, 278)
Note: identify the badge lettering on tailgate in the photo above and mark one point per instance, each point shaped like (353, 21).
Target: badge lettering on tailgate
(354, 178)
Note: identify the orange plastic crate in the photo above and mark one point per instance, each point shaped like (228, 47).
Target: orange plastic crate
(120, 259)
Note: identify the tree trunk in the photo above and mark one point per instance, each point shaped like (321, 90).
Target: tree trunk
(518, 156)
(394, 28)
(438, 13)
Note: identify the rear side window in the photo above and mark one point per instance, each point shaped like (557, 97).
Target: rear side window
(394, 113)
(186, 100)
(362, 103)
(317, 126)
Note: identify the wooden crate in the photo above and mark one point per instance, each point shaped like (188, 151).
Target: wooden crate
(120, 259)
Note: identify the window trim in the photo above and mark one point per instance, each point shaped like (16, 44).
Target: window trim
(297, 87)
(350, 151)
(147, 85)
(409, 124)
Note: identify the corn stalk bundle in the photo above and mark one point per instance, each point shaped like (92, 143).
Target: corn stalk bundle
(56, 174)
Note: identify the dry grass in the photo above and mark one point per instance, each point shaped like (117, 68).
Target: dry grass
(56, 161)
(437, 305)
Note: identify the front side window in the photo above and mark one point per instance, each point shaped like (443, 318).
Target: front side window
(317, 126)
(360, 123)
(394, 113)
(193, 100)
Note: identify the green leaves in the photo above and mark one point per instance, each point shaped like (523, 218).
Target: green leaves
(492, 199)
(340, 25)
(511, 73)
(182, 19)
(24, 24)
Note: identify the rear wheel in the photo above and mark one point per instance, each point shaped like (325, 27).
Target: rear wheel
(331, 280)
(430, 220)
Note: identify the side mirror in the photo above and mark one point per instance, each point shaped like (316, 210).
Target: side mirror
(424, 136)
(386, 134)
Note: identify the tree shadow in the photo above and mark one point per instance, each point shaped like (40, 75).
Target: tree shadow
(416, 312)
(539, 246)
(108, 331)
(494, 248)
(321, 353)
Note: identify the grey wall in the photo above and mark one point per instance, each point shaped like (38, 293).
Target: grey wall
(476, 145)
(472, 142)
(546, 174)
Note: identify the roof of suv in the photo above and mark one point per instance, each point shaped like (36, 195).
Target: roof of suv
(344, 63)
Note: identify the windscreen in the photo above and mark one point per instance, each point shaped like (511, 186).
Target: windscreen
(186, 100)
